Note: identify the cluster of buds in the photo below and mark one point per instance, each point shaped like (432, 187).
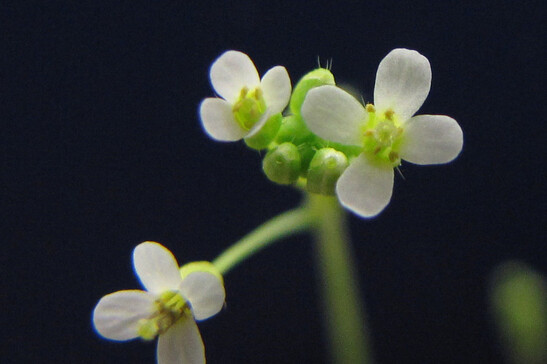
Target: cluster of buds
(326, 141)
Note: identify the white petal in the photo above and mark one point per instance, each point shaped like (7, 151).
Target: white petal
(231, 72)
(156, 267)
(218, 120)
(365, 187)
(205, 292)
(181, 344)
(431, 139)
(403, 81)
(334, 115)
(276, 86)
(116, 316)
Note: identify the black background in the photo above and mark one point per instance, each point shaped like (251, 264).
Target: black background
(102, 149)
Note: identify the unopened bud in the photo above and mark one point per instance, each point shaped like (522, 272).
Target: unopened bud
(315, 78)
(283, 164)
(293, 129)
(325, 168)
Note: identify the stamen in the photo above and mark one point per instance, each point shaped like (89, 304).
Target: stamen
(169, 308)
(249, 107)
(393, 156)
(381, 137)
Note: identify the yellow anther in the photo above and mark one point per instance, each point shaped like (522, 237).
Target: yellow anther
(393, 156)
(169, 308)
(382, 135)
(243, 92)
(249, 107)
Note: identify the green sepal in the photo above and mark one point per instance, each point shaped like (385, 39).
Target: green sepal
(266, 134)
(283, 164)
(325, 168)
(315, 78)
(200, 266)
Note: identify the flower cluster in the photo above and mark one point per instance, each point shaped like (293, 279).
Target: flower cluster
(169, 308)
(328, 142)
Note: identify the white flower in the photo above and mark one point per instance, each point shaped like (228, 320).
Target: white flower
(247, 101)
(168, 308)
(386, 131)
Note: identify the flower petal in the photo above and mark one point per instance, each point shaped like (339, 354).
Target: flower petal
(276, 86)
(218, 120)
(334, 115)
(402, 83)
(205, 292)
(231, 72)
(181, 343)
(156, 267)
(431, 139)
(116, 316)
(365, 187)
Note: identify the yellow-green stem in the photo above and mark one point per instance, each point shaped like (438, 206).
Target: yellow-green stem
(287, 223)
(344, 310)
(343, 307)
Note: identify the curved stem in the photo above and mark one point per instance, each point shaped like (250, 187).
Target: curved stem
(287, 223)
(343, 307)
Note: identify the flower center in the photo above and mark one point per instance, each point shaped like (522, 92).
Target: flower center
(249, 107)
(169, 308)
(382, 136)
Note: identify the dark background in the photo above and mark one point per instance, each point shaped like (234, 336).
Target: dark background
(102, 149)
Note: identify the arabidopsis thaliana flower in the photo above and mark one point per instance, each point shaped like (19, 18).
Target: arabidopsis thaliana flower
(168, 308)
(247, 102)
(386, 131)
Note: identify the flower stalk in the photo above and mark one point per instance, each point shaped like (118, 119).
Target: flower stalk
(287, 223)
(344, 308)
(325, 219)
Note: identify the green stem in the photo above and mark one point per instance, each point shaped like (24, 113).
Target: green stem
(287, 223)
(344, 310)
(343, 306)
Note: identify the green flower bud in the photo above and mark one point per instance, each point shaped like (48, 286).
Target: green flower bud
(266, 134)
(317, 77)
(282, 164)
(325, 168)
(294, 130)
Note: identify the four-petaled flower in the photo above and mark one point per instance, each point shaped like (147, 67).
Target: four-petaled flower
(386, 131)
(168, 308)
(247, 101)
